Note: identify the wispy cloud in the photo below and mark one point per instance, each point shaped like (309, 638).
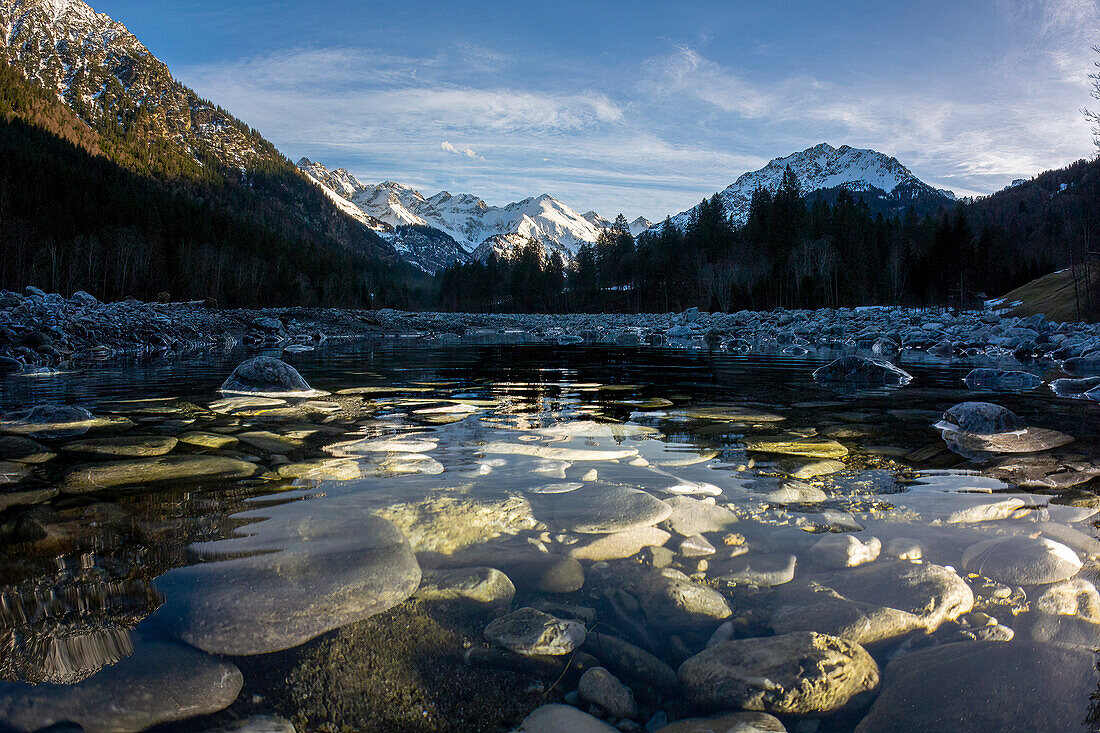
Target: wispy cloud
(464, 150)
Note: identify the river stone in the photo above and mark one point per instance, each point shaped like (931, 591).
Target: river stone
(986, 686)
(797, 446)
(322, 470)
(269, 442)
(872, 603)
(544, 573)
(630, 661)
(727, 723)
(1000, 379)
(159, 683)
(761, 569)
(791, 674)
(100, 476)
(23, 450)
(804, 470)
(129, 446)
(981, 418)
(859, 370)
(1072, 631)
(211, 441)
(599, 686)
(484, 586)
(267, 375)
(1073, 597)
(620, 545)
(257, 724)
(845, 550)
(600, 509)
(696, 545)
(669, 598)
(1021, 560)
(1031, 440)
(556, 718)
(696, 516)
(311, 569)
(1074, 387)
(529, 631)
(49, 421)
(794, 492)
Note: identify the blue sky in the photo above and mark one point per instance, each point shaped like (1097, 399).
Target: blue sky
(639, 107)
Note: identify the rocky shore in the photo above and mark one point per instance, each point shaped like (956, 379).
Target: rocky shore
(41, 330)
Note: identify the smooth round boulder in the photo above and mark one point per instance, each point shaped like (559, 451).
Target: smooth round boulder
(266, 375)
(669, 598)
(477, 586)
(1021, 560)
(861, 371)
(556, 718)
(48, 421)
(791, 674)
(981, 418)
(986, 686)
(600, 509)
(160, 682)
(304, 570)
(1001, 379)
(529, 631)
(599, 686)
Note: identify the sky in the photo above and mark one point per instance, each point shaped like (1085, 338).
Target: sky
(638, 107)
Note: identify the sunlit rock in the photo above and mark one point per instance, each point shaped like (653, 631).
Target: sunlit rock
(529, 631)
(1020, 560)
(265, 375)
(600, 509)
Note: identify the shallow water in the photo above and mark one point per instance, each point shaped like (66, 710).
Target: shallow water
(503, 456)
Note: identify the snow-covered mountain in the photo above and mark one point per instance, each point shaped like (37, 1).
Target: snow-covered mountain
(476, 228)
(823, 168)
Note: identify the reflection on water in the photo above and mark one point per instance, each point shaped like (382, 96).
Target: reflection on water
(675, 504)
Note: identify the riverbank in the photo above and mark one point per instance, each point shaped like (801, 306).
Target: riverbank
(40, 330)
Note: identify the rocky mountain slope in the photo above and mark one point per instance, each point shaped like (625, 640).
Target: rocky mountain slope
(868, 174)
(472, 228)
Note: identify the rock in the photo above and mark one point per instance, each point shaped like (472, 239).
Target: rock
(484, 586)
(211, 441)
(9, 365)
(760, 569)
(696, 546)
(620, 545)
(130, 446)
(1069, 631)
(1074, 387)
(601, 509)
(981, 418)
(599, 686)
(845, 550)
(26, 497)
(696, 516)
(1021, 560)
(872, 603)
(311, 569)
(670, 599)
(859, 370)
(562, 719)
(999, 379)
(85, 299)
(985, 686)
(790, 674)
(333, 469)
(102, 476)
(1074, 597)
(48, 421)
(794, 492)
(529, 631)
(1082, 366)
(23, 450)
(269, 442)
(904, 548)
(159, 683)
(797, 446)
(265, 375)
(727, 723)
(807, 470)
(544, 573)
(630, 661)
(257, 724)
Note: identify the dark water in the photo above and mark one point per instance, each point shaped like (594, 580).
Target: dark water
(489, 463)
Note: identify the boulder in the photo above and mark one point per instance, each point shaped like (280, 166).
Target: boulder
(1021, 560)
(861, 371)
(600, 509)
(265, 375)
(129, 446)
(599, 686)
(727, 723)
(981, 418)
(529, 631)
(556, 718)
(670, 599)
(1000, 379)
(478, 586)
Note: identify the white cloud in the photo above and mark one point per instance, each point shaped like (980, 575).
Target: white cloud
(465, 151)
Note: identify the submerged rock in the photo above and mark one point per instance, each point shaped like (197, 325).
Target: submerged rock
(600, 509)
(599, 686)
(484, 586)
(630, 661)
(859, 370)
(987, 686)
(670, 599)
(530, 631)
(266, 375)
(727, 723)
(556, 718)
(49, 421)
(307, 575)
(1000, 379)
(696, 516)
(790, 674)
(981, 418)
(845, 550)
(1022, 560)
(102, 476)
(797, 446)
(130, 446)
(159, 683)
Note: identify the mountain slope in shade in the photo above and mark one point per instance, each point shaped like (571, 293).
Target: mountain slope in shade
(825, 168)
(477, 228)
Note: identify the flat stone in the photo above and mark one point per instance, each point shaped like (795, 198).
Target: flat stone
(1000, 379)
(599, 686)
(696, 516)
(529, 631)
(256, 724)
(986, 686)
(601, 509)
(790, 674)
(760, 569)
(103, 476)
(311, 569)
(793, 492)
(556, 718)
(269, 442)
(727, 723)
(696, 546)
(212, 441)
(481, 586)
(554, 453)
(26, 497)
(129, 446)
(620, 545)
(160, 682)
(1021, 560)
(53, 421)
(796, 446)
(807, 470)
(322, 470)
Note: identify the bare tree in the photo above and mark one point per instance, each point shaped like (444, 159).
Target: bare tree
(1091, 116)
